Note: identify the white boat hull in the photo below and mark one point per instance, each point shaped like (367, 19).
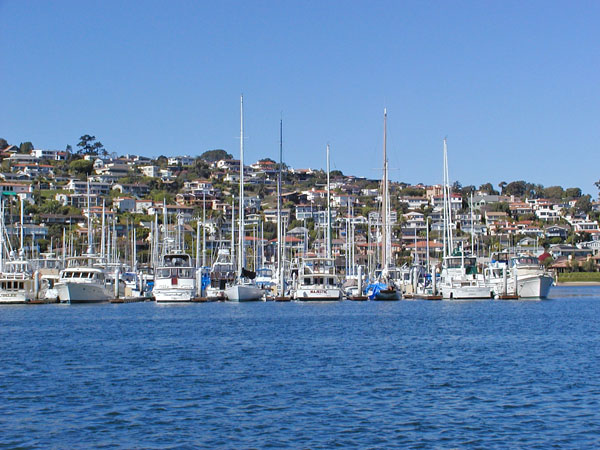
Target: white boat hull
(173, 295)
(318, 294)
(69, 292)
(538, 287)
(215, 293)
(244, 293)
(465, 292)
(14, 297)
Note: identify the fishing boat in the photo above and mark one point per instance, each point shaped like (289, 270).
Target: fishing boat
(243, 289)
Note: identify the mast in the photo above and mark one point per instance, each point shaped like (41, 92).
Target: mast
(384, 200)
(22, 249)
(204, 227)
(241, 215)
(279, 265)
(448, 244)
(102, 236)
(89, 221)
(328, 209)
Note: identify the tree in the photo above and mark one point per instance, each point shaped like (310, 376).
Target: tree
(554, 192)
(488, 188)
(81, 167)
(88, 145)
(516, 188)
(584, 204)
(215, 155)
(3, 143)
(25, 147)
(502, 185)
(573, 192)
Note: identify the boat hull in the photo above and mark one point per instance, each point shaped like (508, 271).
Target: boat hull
(387, 295)
(244, 293)
(536, 287)
(465, 292)
(82, 293)
(318, 294)
(173, 295)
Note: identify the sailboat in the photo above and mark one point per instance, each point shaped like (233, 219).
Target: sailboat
(244, 288)
(384, 287)
(458, 278)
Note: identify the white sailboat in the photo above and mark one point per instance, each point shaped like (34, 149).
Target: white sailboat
(384, 287)
(458, 278)
(244, 289)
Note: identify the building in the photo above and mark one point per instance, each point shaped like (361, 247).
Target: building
(55, 155)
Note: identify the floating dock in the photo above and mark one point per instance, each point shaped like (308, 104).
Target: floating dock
(129, 300)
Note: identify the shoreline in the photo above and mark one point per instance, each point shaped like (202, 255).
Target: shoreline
(578, 283)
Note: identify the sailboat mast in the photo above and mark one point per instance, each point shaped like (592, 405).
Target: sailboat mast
(328, 208)
(22, 249)
(384, 199)
(241, 215)
(89, 221)
(279, 266)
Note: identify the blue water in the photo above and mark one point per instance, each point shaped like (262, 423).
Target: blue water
(409, 374)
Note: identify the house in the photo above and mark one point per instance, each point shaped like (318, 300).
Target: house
(455, 202)
(150, 171)
(125, 204)
(229, 165)
(113, 170)
(547, 213)
(138, 190)
(271, 215)
(142, 206)
(556, 231)
(79, 200)
(495, 216)
(81, 187)
(181, 161)
(343, 200)
(414, 202)
(414, 220)
(54, 155)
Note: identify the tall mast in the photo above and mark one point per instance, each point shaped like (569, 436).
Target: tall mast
(204, 227)
(241, 215)
(22, 249)
(102, 235)
(447, 206)
(89, 221)
(328, 209)
(279, 266)
(384, 199)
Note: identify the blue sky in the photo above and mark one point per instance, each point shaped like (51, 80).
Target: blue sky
(514, 85)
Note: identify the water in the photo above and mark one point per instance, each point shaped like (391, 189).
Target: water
(410, 374)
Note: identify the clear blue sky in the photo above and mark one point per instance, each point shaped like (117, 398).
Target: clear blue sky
(514, 85)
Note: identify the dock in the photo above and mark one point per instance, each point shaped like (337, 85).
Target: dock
(129, 300)
(507, 297)
(358, 298)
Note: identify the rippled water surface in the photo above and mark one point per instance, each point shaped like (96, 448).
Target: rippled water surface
(409, 374)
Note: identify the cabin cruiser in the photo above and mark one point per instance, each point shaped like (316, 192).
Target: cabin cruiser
(174, 279)
(459, 280)
(317, 281)
(522, 276)
(16, 282)
(222, 275)
(84, 280)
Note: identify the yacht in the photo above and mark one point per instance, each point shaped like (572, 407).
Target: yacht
(222, 275)
(174, 279)
(521, 276)
(317, 280)
(16, 282)
(84, 280)
(459, 280)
